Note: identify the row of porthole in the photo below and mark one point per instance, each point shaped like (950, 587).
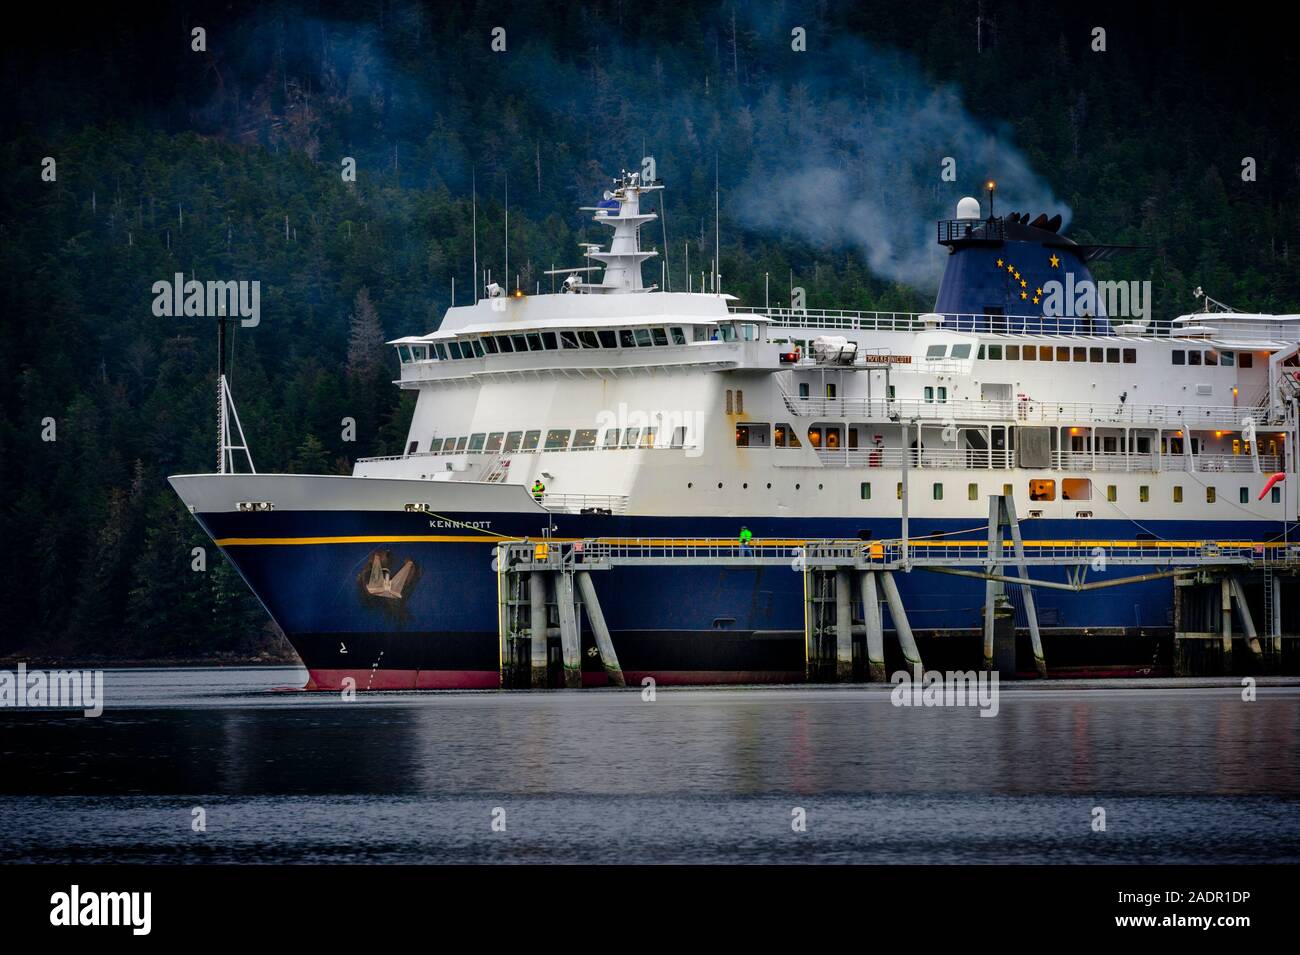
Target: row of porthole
(745, 486)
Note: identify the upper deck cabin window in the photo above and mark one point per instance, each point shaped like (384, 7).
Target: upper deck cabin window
(700, 333)
(936, 351)
(549, 342)
(530, 440)
(1212, 358)
(995, 352)
(490, 344)
(507, 346)
(625, 338)
(659, 336)
(642, 337)
(568, 339)
(1193, 358)
(534, 341)
(1227, 359)
(679, 336)
(557, 440)
(608, 338)
(963, 350)
(512, 441)
(588, 339)
(1245, 360)
(494, 440)
(520, 342)
(1013, 353)
(441, 351)
(584, 439)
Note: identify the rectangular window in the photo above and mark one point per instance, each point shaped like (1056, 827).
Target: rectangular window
(679, 437)
(494, 441)
(1178, 494)
(963, 351)
(803, 389)
(460, 443)
(1243, 495)
(938, 491)
(943, 394)
(659, 336)
(679, 336)
(1112, 493)
(557, 439)
(1006, 490)
(864, 490)
(898, 490)
(490, 344)
(454, 349)
(588, 339)
(650, 439)
(1245, 359)
(1112, 356)
(1029, 353)
(441, 350)
(530, 440)
(512, 441)
(1212, 358)
(995, 352)
(435, 444)
(568, 339)
(506, 345)
(1179, 357)
(1130, 356)
(476, 441)
(972, 492)
(534, 341)
(478, 348)
(1211, 494)
(549, 341)
(1144, 493)
(1062, 353)
(929, 393)
(1193, 358)
(584, 438)
(631, 437)
(936, 351)
(642, 337)
(520, 342)
(740, 400)
(413, 447)
(1076, 489)
(1095, 355)
(611, 438)
(730, 403)
(1044, 352)
(1042, 489)
(608, 339)
(1275, 495)
(1013, 353)
(1227, 359)
(1080, 353)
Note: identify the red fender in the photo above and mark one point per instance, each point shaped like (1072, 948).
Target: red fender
(1268, 485)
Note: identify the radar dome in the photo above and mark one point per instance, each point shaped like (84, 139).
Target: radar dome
(968, 208)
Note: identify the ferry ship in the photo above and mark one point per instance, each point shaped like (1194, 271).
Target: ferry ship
(613, 409)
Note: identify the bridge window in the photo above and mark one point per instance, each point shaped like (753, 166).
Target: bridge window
(1042, 489)
(642, 336)
(679, 336)
(995, 352)
(435, 444)
(584, 438)
(530, 440)
(1179, 357)
(512, 441)
(631, 437)
(490, 345)
(1044, 352)
(1095, 355)
(864, 490)
(453, 348)
(1076, 489)
(611, 438)
(1212, 358)
(936, 351)
(505, 344)
(963, 351)
(1211, 494)
(1193, 358)
(1029, 353)
(413, 447)
(1227, 359)
(1130, 356)
(650, 439)
(494, 441)
(1112, 356)
(460, 443)
(557, 439)
(1080, 353)
(1178, 494)
(1013, 353)
(1062, 353)
(588, 340)
(659, 336)
(608, 338)
(568, 339)
(478, 347)
(534, 341)
(476, 441)
(549, 341)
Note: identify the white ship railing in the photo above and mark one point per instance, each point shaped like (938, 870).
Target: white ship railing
(847, 320)
(1075, 412)
(577, 503)
(967, 459)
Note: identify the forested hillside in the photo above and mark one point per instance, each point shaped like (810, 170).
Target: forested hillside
(225, 163)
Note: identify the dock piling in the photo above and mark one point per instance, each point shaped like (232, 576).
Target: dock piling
(875, 629)
(604, 645)
(843, 625)
(539, 655)
(906, 642)
(570, 642)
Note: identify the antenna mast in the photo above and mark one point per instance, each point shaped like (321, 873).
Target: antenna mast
(474, 228)
(226, 407)
(717, 230)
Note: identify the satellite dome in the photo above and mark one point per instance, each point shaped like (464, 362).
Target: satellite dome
(968, 208)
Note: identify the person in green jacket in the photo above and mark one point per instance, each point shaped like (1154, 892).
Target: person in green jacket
(746, 535)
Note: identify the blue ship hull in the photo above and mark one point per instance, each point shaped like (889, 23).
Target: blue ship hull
(676, 624)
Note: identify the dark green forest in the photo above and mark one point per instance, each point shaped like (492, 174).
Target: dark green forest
(224, 163)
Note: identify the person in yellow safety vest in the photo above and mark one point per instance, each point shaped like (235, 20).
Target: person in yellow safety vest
(538, 490)
(746, 535)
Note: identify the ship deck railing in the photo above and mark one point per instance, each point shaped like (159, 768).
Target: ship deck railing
(971, 459)
(844, 320)
(800, 553)
(1025, 411)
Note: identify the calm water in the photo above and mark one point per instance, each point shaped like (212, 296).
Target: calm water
(1185, 771)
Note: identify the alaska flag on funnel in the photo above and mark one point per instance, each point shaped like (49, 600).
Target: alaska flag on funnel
(1003, 266)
